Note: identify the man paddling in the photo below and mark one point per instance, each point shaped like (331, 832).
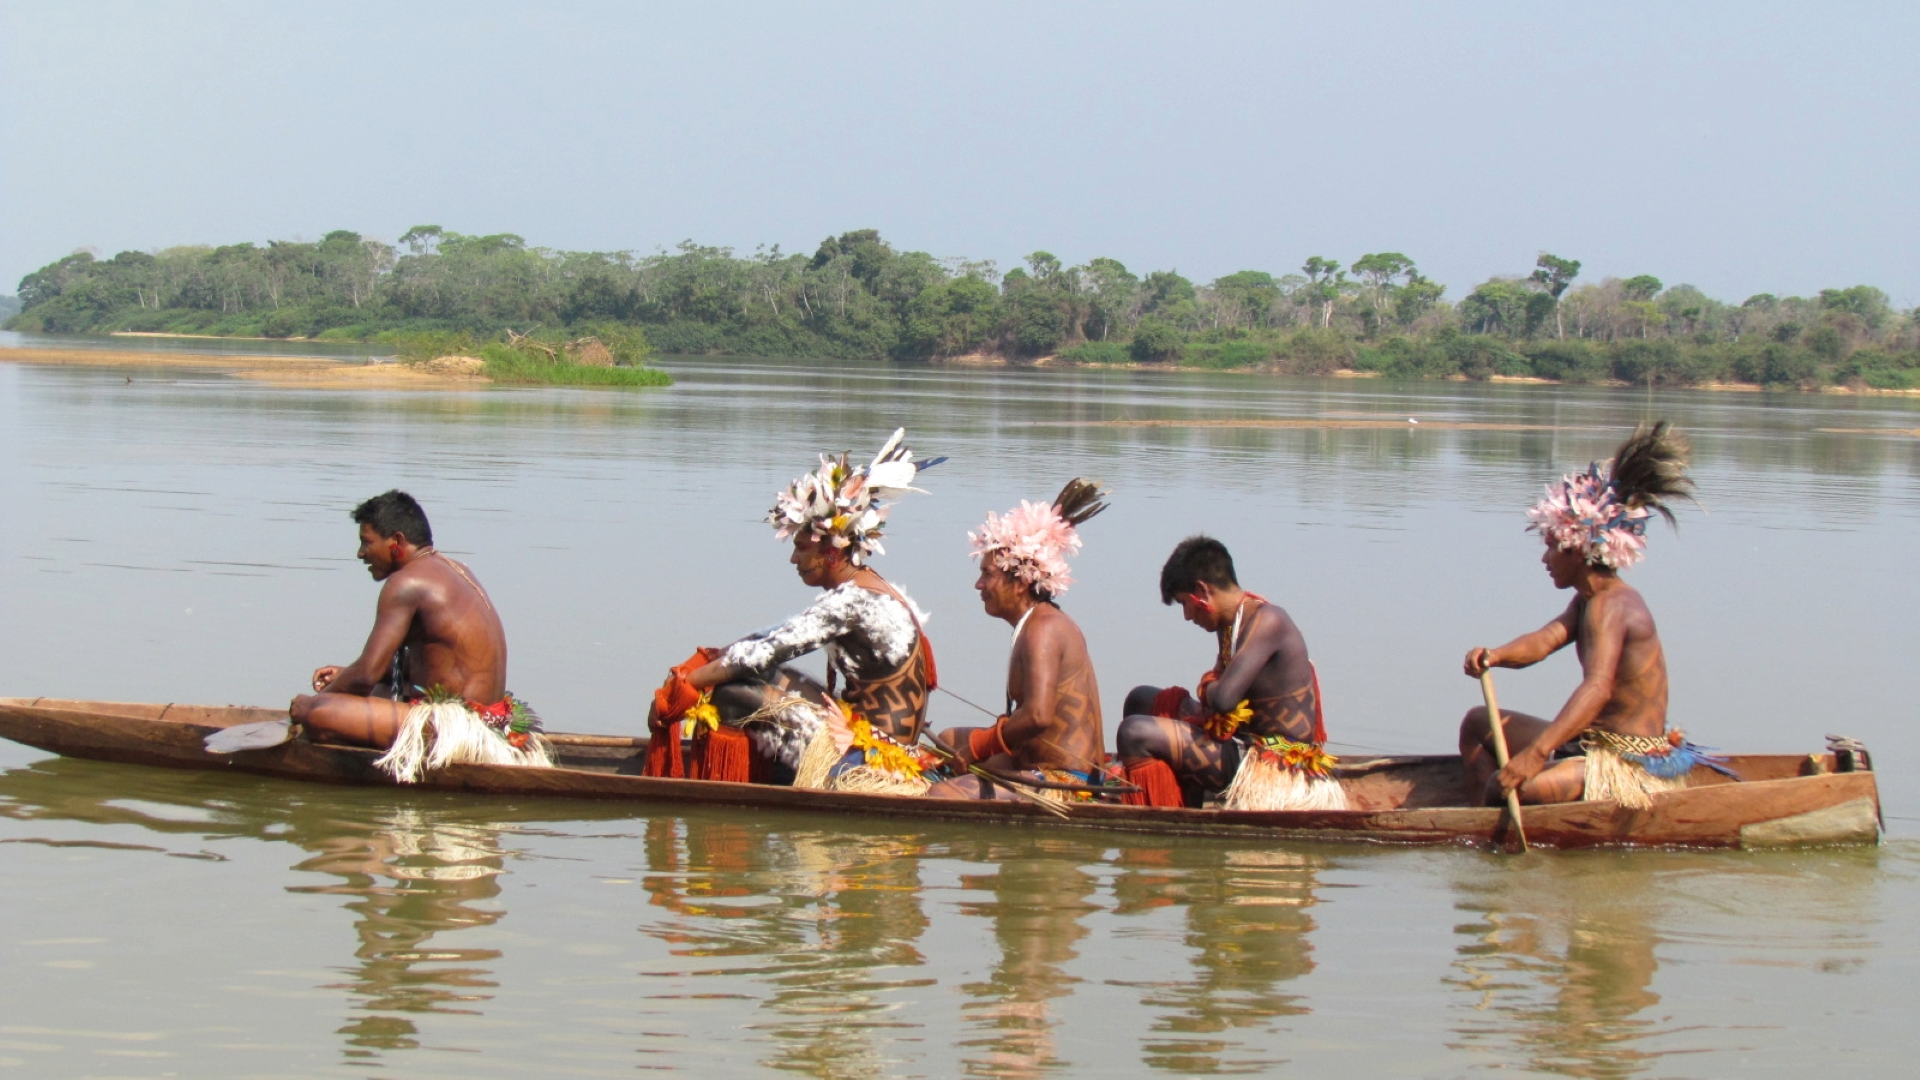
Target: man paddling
(1051, 730)
(1594, 524)
(752, 718)
(1252, 731)
(430, 686)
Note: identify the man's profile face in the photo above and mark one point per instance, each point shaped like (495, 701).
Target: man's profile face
(378, 553)
(1562, 565)
(814, 560)
(1197, 608)
(999, 591)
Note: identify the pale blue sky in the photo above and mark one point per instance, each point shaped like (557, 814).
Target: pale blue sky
(1740, 147)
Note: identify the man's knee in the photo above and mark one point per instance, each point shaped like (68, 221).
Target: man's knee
(1473, 726)
(1140, 701)
(1137, 739)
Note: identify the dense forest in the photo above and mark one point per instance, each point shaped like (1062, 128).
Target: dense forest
(857, 296)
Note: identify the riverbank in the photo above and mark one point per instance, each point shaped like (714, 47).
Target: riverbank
(292, 372)
(1057, 362)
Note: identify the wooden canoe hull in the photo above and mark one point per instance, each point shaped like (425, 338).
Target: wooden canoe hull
(1785, 800)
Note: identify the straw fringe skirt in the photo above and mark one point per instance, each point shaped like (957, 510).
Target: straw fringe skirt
(825, 751)
(437, 734)
(1612, 777)
(1264, 784)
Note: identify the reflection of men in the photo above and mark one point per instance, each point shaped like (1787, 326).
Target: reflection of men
(1252, 730)
(431, 682)
(880, 667)
(1595, 525)
(1051, 727)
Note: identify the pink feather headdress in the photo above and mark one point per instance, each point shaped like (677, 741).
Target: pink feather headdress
(1033, 541)
(847, 505)
(1603, 512)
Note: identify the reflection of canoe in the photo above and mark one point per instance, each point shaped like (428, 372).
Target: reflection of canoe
(1783, 800)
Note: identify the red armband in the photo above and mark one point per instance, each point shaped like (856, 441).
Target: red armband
(984, 743)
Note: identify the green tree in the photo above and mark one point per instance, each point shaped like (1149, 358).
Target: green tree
(1553, 274)
(1324, 278)
(1248, 295)
(1643, 287)
(1869, 304)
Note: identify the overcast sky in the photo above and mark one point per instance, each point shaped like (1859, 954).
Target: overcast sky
(1741, 147)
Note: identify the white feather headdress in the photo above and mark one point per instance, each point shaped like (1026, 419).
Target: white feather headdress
(847, 505)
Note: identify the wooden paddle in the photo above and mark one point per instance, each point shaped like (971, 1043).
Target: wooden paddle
(1500, 753)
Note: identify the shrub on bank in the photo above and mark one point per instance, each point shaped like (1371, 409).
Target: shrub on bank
(1096, 352)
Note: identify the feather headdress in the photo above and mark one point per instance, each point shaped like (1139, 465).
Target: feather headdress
(845, 504)
(1033, 540)
(1604, 511)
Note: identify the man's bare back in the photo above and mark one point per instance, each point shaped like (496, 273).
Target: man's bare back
(434, 617)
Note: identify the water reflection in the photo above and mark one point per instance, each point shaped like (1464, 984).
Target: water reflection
(1247, 931)
(820, 918)
(407, 873)
(407, 878)
(1559, 968)
(1040, 895)
(1559, 965)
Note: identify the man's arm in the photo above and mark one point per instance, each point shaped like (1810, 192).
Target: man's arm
(825, 619)
(399, 602)
(1527, 649)
(1606, 642)
(1263, 639)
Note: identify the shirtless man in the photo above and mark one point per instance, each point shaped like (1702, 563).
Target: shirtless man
(1051, 730)
(1594, 524)
(435, 631)
(879, 662)
(1261, 696)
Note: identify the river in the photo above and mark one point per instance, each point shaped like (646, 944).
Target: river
(184, 537)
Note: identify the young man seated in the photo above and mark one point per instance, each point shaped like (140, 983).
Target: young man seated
(430, 687)
(1251, 732)
(1595, 526)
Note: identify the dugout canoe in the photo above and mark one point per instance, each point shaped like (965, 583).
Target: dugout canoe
(1782, 800)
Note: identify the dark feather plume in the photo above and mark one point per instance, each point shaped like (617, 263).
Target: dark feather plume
(1651, 467)
(1081, 499)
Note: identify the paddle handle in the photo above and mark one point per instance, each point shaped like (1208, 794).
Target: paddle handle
(1496, 725)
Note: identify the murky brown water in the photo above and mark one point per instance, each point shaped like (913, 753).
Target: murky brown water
(184, 537)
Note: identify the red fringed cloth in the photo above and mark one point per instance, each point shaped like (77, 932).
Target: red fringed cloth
(1158, 786)
(722, 753)
(670, 703)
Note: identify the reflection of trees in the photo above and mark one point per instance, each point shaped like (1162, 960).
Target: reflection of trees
(1039, 899)
(1558, 966)
(814, 915)
(1247, 926)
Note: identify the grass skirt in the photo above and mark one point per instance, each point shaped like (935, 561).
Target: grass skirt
(1612, 777)
(437, 734)
(1265, 781)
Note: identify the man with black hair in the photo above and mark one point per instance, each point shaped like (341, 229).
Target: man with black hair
(431, 683)
(1252, 730)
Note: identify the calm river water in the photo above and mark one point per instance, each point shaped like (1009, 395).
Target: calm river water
(184, 537)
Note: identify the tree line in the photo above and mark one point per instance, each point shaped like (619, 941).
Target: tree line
(856, 295)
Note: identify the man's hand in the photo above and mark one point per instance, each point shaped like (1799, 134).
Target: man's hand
(323, 677)
(1521, 768)
(1479, 662)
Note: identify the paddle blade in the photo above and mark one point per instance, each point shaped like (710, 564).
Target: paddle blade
(256, 736)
